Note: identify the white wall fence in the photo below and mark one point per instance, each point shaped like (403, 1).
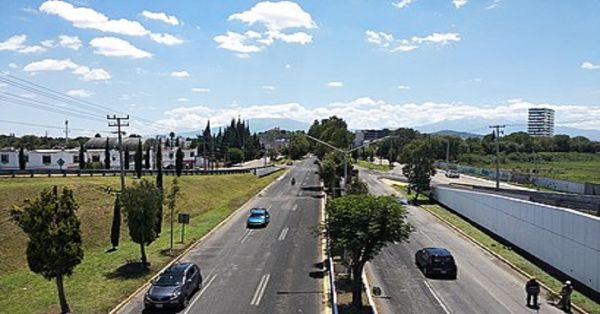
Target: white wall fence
(565, 239)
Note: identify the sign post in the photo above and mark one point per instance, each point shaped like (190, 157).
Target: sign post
(183, 219)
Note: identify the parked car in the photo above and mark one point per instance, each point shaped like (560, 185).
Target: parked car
(174, 287)
(259, 217)
(452, 174)
(436, 261)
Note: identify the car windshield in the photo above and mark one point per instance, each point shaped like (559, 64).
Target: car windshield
(168, 280)
(257, 215)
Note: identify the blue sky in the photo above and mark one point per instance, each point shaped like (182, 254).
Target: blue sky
(375, 63)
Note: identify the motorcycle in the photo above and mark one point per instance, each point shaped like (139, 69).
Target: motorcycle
(293, 181)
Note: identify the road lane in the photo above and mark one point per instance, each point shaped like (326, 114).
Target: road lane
(268, 270)
(484, 284)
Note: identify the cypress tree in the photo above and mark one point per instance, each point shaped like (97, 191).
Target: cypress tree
(147, 159)
(107, 155)
(159, 185)
(22, 161)
(126, 158)
(138, 159)
(81, 156)
(179, 161)
(115, 230)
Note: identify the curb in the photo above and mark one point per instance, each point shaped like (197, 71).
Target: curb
(191, 247)
(368, 291)
(326, 286)
(496, 255)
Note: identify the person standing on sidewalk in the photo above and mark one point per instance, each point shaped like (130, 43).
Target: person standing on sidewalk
(532, 287)
(565, 297)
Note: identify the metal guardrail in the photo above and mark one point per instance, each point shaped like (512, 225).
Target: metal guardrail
(114, 172)
(334, 306)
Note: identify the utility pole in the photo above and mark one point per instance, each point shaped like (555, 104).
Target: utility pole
(66, 132)
(497, 133)
(119, 124)
(448, 152)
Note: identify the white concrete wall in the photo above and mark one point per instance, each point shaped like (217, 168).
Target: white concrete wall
(566, 239)
(13, 160)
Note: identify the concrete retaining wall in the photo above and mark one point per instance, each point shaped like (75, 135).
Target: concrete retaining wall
(565, 239)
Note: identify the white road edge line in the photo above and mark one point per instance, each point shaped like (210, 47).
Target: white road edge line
(283, 233)
(260, 290)
(437, 298)
(204, 287)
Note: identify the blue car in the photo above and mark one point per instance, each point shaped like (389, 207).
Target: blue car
(259, 217)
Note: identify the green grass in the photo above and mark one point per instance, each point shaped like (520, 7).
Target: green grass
(103, 279)
(372, 166)
(506, 252)
(579, 169)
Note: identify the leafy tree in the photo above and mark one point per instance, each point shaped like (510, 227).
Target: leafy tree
(418, 165)
(179, 161)
(115, 229)
(360, 226)
(54, 248)
(159, 185)
(138, 159)
(177, 142)
(333, 131)
(561, 143)
(171, 202)
(272, 154)
(141, 203)
(357, 187)
(81, 156)
(126, 158)
(107, 155)
(331, 170)
(147, 159)
(236, 155)
(22, 159)
(298, 146)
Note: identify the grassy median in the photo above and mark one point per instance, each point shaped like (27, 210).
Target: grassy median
(372, 166)
(506, 252)
(104, 279)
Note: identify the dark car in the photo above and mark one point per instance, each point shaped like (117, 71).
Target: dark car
(436, 261)
(174, 287)
(259, 217)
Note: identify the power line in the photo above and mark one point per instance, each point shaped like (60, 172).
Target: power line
(42, 125)
(49, 108)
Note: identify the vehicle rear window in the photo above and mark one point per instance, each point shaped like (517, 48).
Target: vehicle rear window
(443, 259)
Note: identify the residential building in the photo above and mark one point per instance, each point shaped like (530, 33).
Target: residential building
(363, 136)
(540, 122)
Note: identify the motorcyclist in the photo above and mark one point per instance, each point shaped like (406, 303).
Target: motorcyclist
(293, 181)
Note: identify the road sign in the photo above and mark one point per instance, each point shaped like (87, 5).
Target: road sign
(183, 218)
(60, 162)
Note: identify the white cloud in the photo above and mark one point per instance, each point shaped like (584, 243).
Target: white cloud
(268, 87)
(48, 43)
(590, 66)
(116, 47)
(403, 87)
(380, 39)
(71, 42)
(166, 39)
(242, 55)
(12, 65)
(367, 113)
(180, 74)
(160, 16)
(335, 84)
(84, 72)
(236, 42)
(388, 42)
(276, 16)
(200, 90)
(82, 93)
(493, 5)
(438, 38)
(17, 43)
(87, 18)
(402, 4)
(182, 99)
(459, 3)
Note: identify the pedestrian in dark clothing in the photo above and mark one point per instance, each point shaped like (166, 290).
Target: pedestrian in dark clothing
(565, 297)
(532, 287)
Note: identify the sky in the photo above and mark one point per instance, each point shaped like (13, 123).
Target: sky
(173, 65)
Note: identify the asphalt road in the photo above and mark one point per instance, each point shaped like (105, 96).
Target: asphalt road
(270, 270)
(484, 284)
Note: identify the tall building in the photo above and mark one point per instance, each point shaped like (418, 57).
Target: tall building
(541, 122)
(363, 136)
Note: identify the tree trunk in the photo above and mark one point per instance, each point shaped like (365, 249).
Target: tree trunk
(357, 286)
(143, 251)
(64, 306)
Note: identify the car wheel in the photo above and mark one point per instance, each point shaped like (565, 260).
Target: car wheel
(425, 271)
(184, 302)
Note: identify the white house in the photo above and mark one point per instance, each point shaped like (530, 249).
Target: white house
(40, 159)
